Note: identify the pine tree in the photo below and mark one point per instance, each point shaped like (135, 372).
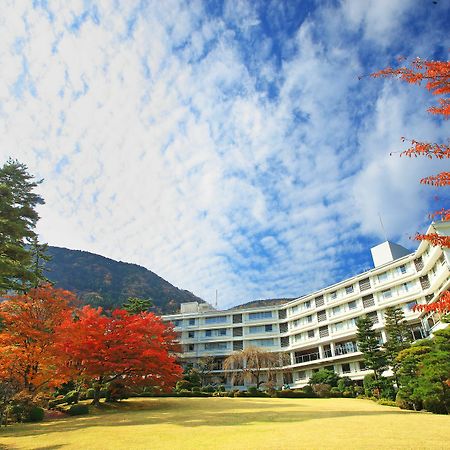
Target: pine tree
(18, 218)
(369, 346)
(398, 337)
(136, 305)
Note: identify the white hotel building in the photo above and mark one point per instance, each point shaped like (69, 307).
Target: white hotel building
(318, 330)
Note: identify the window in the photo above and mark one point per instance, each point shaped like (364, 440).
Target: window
(386, 294)
(191, 322)
(362, 365)
(333, 295)
(222, 332)
(296, 323)
(301, 375)
(310, 334)
(260, 315)
(177, 323)
(260, 329)
(208, 333)
(216, 346)
(411, 305)
(382, 277)
(262, 342)
(346, 368)
(352, 305)
(298, 337)
(338, 326)
(191, 334)
(406, 287)
(364, 284)
(216, 319)
(267, 328)
(368, 301)
(190, 347)
(308, 319)
(349, 289)
(307, 304)
(401, 269)
(294, 309)
(319, 301)
(336, 310)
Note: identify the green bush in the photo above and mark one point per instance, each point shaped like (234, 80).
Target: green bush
(210, 389)
(195, 389)
(78, 409)
(253, 390)
(324, 376)
(322, 390)
(386, 402)
(53, 403)
(299, 393)
(35, 414)
(309, 392)
(335, 392)
(90, 393)
(348, 394)
(183, 385)
(72, 397)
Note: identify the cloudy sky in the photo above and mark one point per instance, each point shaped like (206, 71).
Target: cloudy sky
(223, 145)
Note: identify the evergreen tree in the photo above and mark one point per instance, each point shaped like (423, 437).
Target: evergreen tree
(369, 346)
(136, 305)
(398, 337)
(18, 218)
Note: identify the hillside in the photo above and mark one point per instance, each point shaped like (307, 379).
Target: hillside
(101, 281)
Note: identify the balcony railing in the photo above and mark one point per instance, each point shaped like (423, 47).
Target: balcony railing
(307, 358)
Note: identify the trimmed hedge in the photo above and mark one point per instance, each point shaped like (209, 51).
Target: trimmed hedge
(78, 409)
(35, 414)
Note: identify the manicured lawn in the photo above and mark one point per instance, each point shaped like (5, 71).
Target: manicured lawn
(236, 423)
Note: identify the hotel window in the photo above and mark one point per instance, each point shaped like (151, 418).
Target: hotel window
(333, 295)
(336, 310)
(190, 347)
(216, 319)
(387, 293)
(301, 375)
(307, 304)
(294, 309)
(411, 305)
(310, 334)
(191, 334)
(267, 328)
(177, 323)
(298, 337)
(364, 285)
(308, 319)
(349, 289)
(256, 329)
(191, 322)
(346, 368)
(401, 269)
(208, 333)
(262, 342)
(362, 365)
(296, 323)
(319, 301)
(216, 345)
(260, 315)
(338, 326)
(352, 305)
(382, 277)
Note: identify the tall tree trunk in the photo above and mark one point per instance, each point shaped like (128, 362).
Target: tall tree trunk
(97, 387)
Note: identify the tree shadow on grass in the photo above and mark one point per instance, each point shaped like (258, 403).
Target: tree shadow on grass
(192, 415)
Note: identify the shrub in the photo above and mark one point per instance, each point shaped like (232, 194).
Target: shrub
(288, 393)
(386, 402)
(324, 376)
(90, 393)
(116, 391)
(322, 390)
(208, 388)
(253, 390)
(309, 392)
(71, 397)
(53, 403)
(35, 414)
(78, 409)
(348, 394)
(335, 392)
(196, 389)
(241, 394)
(221, 388)
(183, 385)
(435, 404)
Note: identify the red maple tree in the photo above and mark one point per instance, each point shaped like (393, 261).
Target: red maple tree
(436, 77)
(28, 356)
(132, 349)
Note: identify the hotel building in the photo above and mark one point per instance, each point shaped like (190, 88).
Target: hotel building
(318, 330)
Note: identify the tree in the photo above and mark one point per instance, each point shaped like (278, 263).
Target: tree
(250, 364)
(369, 346)
(28, 356)
(18, 218)
(436, 76)
(325, 376)
(205, 366)
(135, 349)
(136, 305)
(398, 336)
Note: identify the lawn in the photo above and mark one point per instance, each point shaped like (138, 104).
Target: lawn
(236, 423)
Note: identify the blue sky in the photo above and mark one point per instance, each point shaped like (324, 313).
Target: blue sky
(223, 145)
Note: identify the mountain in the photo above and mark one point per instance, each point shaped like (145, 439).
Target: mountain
(100, 281)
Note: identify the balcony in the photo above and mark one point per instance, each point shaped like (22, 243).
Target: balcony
(308, 357)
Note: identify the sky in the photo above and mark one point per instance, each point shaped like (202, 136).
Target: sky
(224, 145)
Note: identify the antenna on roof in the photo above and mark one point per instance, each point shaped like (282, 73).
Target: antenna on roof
(382, 227)
(216, 299)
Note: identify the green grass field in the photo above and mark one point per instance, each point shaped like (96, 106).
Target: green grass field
(236, 423)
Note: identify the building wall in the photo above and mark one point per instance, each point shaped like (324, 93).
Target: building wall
(318, 330)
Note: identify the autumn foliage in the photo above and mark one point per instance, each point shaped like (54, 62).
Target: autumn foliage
(135, 349)
(45, 341)
(27, 340)
(435, 76)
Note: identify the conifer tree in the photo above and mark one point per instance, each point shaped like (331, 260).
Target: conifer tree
(136, 305)
(18, 218)
(369, 346)
(398, 337)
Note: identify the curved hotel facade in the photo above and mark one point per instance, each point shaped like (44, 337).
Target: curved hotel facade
(318, 330)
